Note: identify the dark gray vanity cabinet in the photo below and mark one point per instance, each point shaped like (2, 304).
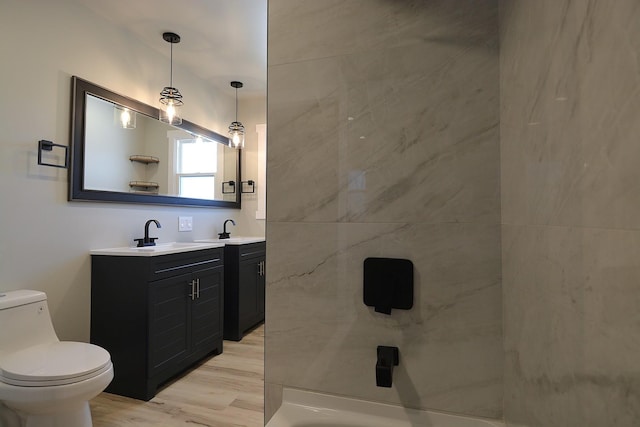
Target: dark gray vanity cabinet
(156, 315)
(244, 288)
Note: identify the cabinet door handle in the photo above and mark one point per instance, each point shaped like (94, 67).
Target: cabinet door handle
(261, 268)
(193, 293)
(198, 288)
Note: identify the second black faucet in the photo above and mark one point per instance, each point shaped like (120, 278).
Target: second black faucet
(225, 234)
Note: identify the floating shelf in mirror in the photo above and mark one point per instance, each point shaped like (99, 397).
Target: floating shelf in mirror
(144, 187)
(106, 159)
(144, 159)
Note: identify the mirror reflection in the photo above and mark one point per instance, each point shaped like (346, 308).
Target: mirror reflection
(122, 152)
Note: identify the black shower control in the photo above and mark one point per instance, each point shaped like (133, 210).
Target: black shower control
(388, 284)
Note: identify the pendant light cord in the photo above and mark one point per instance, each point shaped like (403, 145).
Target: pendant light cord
(171, 67)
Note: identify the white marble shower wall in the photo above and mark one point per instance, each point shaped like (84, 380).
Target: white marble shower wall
(383, 122)
(570, 147)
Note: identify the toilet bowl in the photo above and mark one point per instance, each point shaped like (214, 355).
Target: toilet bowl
(45, 382)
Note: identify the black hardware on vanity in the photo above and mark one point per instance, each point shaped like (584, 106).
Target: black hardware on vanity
(146, 240)
(388, 357)
(225, 234)
(388, 283)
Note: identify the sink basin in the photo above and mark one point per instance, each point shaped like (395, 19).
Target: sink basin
(158, 249)
(233, 240)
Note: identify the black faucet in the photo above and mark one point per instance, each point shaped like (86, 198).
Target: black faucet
(225, 234)
(146, 240)
(388, 357)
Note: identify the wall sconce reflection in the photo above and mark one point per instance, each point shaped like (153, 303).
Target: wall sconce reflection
(124, 117)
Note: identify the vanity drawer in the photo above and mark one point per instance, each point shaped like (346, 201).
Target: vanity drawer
(176, 264)
(251, 250)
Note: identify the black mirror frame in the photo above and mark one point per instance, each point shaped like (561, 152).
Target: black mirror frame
(79, 89)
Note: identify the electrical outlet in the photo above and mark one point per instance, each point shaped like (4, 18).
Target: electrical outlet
(185, 223)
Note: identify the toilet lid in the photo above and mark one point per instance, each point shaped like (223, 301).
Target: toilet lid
(54, 364)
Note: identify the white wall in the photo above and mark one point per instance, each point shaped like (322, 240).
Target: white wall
(44, 239)
(255, 107)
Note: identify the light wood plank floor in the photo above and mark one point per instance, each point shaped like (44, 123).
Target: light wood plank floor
(224, 391)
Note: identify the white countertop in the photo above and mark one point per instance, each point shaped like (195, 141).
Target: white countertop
(234, 240)
(158, 249)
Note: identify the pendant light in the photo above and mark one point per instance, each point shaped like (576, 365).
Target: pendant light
(236, 129)
(170, 97)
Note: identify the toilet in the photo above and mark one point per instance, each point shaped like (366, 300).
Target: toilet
(45, 382)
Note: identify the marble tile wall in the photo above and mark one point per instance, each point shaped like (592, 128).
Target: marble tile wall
(383, 141)
(570, 85)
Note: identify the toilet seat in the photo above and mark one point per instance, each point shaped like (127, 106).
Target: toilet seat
(56, 363)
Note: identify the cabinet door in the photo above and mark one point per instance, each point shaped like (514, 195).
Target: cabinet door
(248, 297)
(261, 288)
(168, 322)
(206, 310)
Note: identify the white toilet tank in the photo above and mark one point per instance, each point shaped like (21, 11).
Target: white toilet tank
(25, 320)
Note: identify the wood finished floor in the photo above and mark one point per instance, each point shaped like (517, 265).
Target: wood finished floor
(224, 391)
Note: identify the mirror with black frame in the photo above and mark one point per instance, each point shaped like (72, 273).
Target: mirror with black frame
(122, 152)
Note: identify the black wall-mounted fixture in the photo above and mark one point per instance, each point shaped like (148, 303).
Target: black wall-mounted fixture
(44, 145)
(231, 187)
(388, 357)
(251, 184)
(388, 284)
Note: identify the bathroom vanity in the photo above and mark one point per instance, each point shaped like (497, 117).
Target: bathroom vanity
(157, 310)
(244, 287)
(244, 284)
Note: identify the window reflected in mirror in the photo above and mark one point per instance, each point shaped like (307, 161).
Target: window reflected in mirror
(196, 166)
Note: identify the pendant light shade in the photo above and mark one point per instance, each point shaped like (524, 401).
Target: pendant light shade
(170, 97)
(236, 129)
